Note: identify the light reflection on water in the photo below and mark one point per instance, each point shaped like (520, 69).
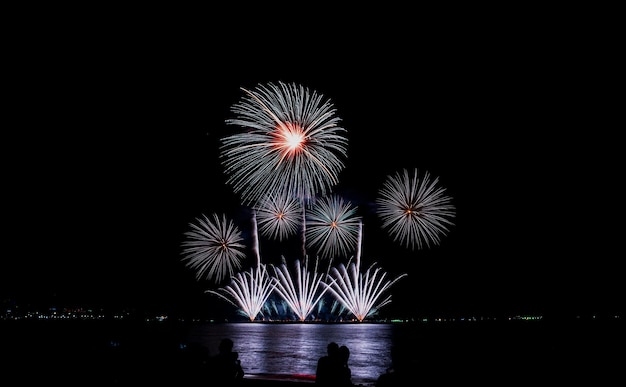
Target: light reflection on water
(295, 348)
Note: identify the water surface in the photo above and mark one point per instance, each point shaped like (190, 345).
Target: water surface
(295, 348)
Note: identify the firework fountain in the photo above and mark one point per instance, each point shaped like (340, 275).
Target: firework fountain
(360, 293)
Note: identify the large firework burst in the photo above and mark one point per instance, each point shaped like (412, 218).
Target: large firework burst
(414, 210)
(292, 144)
(213, 249)
(332, 226)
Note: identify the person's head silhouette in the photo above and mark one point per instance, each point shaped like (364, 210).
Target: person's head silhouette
(225, 346)
(344, 353)
(332, 348)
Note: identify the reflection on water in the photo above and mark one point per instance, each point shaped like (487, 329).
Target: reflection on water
(295, 348)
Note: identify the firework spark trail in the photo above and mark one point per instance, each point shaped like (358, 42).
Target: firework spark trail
(415, 211)
(302, 294)
(213, 249)
(332, 227)
(248, 291)
(358, 245)
(255, 236)
(292, 144)
(303, 232)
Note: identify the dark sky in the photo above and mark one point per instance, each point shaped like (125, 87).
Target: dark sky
(110, 150)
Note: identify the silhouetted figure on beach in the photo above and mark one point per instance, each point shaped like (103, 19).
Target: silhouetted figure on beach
(225, 367)
(344, 375)
(328, 366)
(398, 373)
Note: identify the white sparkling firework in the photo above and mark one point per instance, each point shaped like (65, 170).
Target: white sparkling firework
(248, 291)
(332, 226)
(213, 248)
(279, 218)
(415, 211)
(303, 293)
(292, 144)
(361, 294)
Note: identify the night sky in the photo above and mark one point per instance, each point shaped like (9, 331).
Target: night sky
(110, 150)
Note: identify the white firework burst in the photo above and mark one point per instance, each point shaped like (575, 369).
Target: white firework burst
(332, 227)
(292, 144)
(213, 248)
(279, 218)
(415, 211)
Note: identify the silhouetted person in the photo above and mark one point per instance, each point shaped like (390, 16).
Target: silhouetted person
(328, 366)
(344, 374)
(225, 368)
(398, 373)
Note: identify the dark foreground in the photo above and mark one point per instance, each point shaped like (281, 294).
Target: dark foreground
(139, 353)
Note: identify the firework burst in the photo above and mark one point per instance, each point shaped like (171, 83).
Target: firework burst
(332, 227)
(279, 218)
(415, 211)
(292, 144)
(213, 248)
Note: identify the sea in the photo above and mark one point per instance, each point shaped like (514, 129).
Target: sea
(493, 352)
